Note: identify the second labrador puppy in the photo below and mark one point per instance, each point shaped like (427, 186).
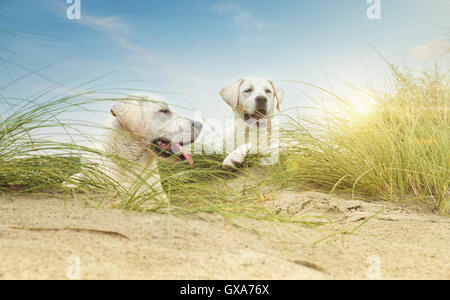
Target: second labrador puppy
(253, 101)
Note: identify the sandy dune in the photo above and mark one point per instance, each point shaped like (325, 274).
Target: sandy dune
(38, 234)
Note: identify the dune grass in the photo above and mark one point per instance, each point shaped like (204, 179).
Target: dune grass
(32, 159)
(400, 150)
(23, 144)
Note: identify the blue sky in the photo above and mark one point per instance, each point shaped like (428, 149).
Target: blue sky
(189, 50)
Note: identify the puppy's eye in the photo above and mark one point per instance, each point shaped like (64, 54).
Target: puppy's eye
(165, 111)
(268, 91)
(248, 90)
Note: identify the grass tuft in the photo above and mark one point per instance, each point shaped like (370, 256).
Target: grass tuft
(400, 150)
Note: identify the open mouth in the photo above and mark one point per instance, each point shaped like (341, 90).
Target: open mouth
(165, 148)
(256, 116)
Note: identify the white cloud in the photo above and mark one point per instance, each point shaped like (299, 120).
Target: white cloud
(137, 51)
(239, 15)
(431, 50)
(114, 27)
(119, 32)
(105, 23)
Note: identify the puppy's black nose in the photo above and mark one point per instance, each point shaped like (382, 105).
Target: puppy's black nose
(261, 100)
(261, 105)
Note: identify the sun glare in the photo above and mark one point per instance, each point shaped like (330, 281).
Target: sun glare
(355, 105)
(362, 107)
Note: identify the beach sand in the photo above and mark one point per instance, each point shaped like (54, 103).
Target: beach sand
(39, 233)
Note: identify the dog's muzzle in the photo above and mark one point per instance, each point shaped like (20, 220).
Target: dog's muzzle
(260, 109)
(166, 148)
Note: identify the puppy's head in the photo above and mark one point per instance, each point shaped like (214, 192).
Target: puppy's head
(157, 124)
(256, 98)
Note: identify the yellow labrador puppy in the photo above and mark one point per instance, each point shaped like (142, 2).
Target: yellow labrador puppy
(138, 132)
(253, 101)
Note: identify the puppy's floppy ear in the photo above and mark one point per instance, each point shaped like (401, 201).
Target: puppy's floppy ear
(129, 114)
(278, 94)
(230, 94)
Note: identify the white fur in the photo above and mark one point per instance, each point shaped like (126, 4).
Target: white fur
(128, 135)
(242, 96)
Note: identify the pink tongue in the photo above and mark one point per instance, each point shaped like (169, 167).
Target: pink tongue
(186, 155)
(256, 117)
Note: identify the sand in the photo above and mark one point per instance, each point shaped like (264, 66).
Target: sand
(43, 237)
